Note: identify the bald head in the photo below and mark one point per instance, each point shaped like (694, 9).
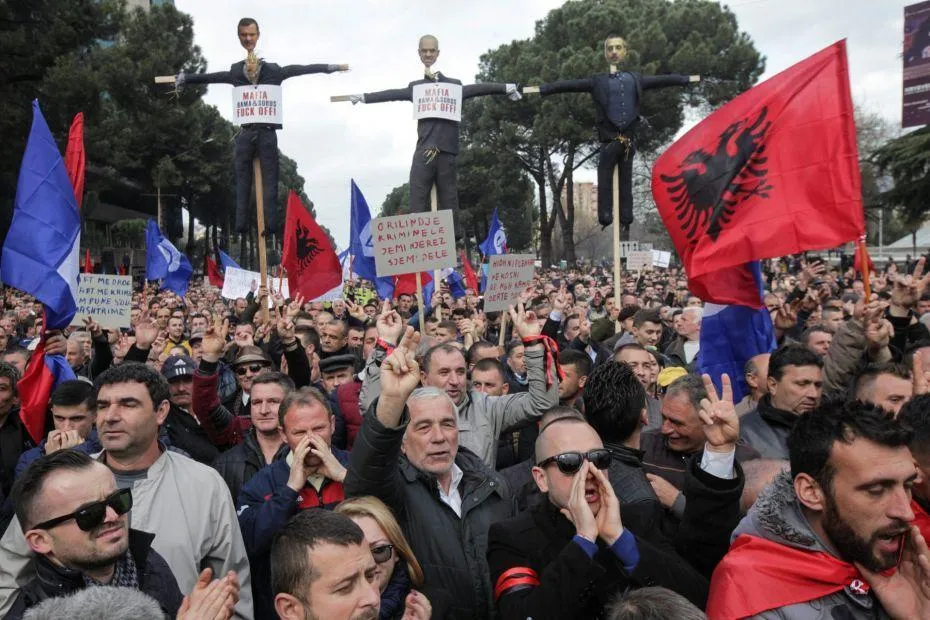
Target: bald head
(428, 50)
(566, 434)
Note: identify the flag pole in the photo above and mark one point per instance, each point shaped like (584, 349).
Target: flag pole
(434, 207)
(864, 268)
(422, 312)
(616, 213)
(260, 218)
(500, 339)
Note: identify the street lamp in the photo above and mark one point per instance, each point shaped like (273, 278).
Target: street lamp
(158, 186)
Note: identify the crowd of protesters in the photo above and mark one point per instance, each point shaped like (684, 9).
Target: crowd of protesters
(278, 458)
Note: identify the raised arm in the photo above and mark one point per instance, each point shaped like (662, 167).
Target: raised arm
(543, 392)
(490, 88)
(373, 464)
(220, 77)
(664, 81)
(583, 85)
(289, 71)
(396, 94)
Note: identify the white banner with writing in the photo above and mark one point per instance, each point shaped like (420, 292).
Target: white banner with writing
(437, 100)
(509, 275)
(257, 103)
(106, 299)
(413, 242)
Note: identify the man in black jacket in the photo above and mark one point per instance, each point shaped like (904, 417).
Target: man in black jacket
(443, 495)
(181, 425)
(438, 138)
(567, 557)
(617, 96)
(263, 443)
(255, 139)
(77, 523)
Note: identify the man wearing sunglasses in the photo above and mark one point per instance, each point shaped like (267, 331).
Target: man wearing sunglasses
(77, 524)
(184, 503)
(567, 557)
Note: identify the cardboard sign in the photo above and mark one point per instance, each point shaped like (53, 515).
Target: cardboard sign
(509, 275)
(413, 242)
(106, 299)
(661, 259)
(257, 103)
(437, 100)
(238, 283)
(638, 259)
(633, 246)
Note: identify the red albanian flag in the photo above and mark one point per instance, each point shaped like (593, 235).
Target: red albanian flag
(773, 172)
(213, 272)
(311, 263)
(471, 280)
(74, 157)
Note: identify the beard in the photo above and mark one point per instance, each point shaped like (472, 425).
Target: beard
(853, 547)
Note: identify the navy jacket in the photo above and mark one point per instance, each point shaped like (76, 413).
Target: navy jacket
(266, 503)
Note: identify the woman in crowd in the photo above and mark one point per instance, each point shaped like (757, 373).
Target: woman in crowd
(399, 576)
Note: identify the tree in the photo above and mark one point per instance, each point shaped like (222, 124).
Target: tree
(906, 160)
(553, 137)
(35, 36)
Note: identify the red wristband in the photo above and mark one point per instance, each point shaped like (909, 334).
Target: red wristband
(388, 348)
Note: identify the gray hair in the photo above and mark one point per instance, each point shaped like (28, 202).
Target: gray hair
(692, 386)
(98, 603)
(653, 604)
(430, 393)
(697, 314)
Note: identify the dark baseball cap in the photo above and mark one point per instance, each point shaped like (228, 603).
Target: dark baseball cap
(178, 366)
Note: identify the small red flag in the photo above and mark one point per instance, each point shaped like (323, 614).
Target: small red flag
(213, 272)
(311, 263)
(406, 284)
(88, 265)
(773, 172)
(74, 157)
(471, 280)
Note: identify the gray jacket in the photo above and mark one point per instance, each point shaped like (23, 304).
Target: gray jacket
(777, 517)
(483, 418)
(766, 429)
(187, 506)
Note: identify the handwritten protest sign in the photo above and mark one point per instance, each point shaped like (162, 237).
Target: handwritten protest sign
(509, 276)
(257, 103)
(638, 259)
(413, 242)
(437, 100)
(238, 283)
(661, 259)
(106, 299)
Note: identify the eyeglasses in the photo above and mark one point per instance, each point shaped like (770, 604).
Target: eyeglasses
(242, 370)
(92, 515)
(382, 553)
(570, 462)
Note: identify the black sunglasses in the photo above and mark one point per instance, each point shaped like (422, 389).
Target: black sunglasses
(92, 515)
(255, 368)
(571, 462)
(382, 553)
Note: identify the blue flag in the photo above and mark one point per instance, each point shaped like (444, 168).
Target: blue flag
(496, 243)
(731, 335)
(361, 247)
(456, 285)
(226, 260)
(41, 254)
(164, 262)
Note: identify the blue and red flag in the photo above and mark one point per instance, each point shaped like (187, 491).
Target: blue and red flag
(41, 255)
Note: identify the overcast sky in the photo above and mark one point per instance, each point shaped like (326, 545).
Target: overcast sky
(333, 142)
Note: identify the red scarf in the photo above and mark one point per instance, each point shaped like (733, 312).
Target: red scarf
(757, 575)
(553, 368)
